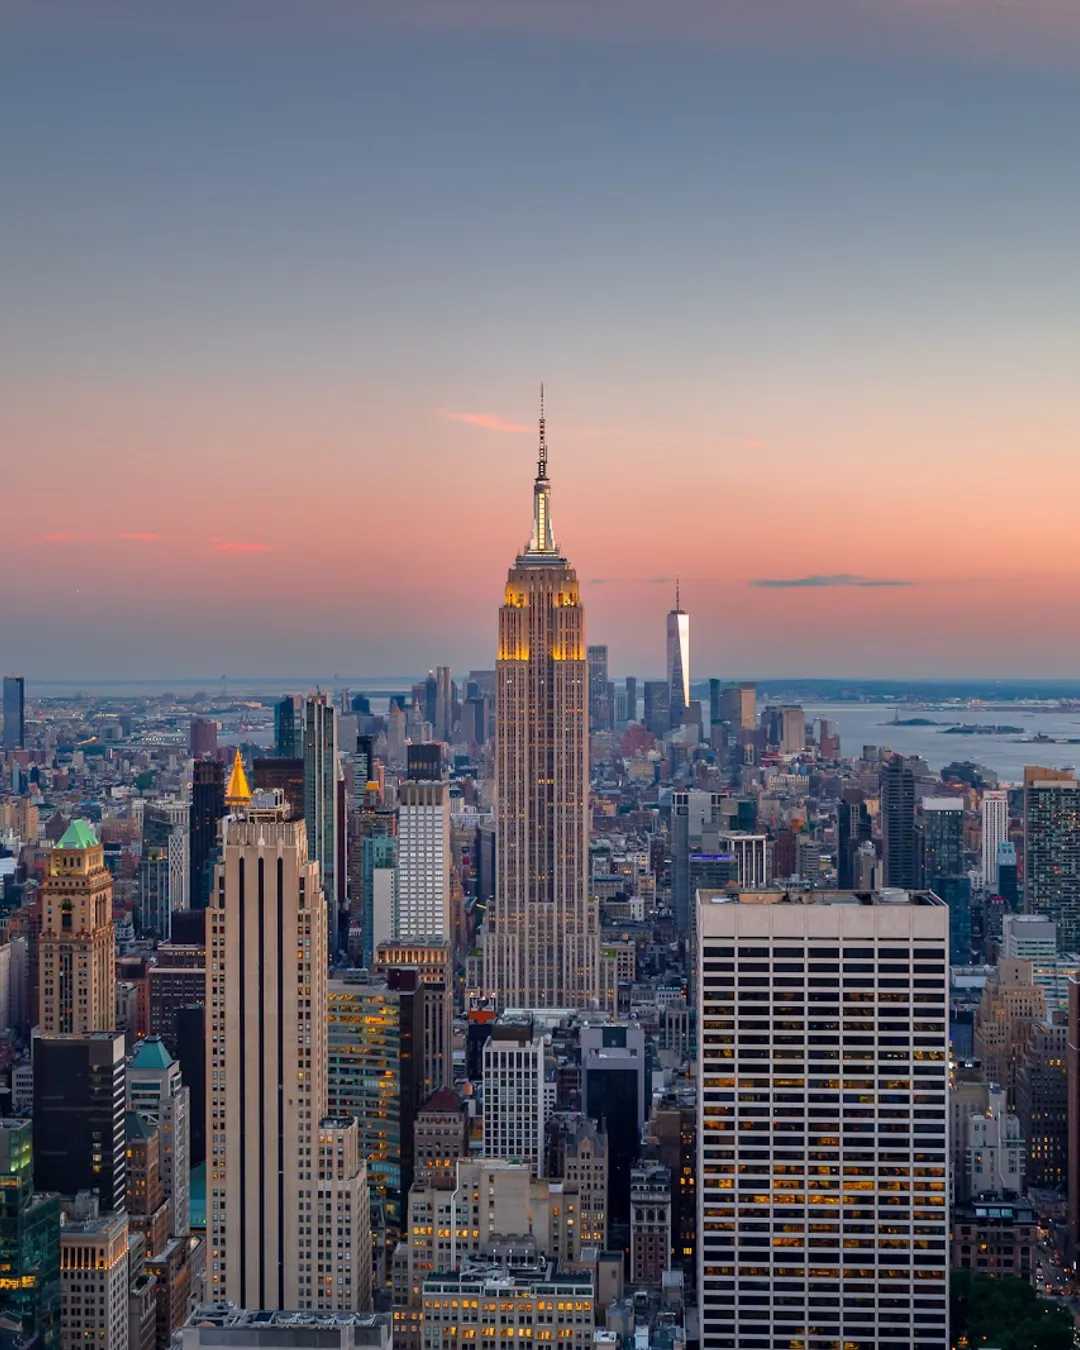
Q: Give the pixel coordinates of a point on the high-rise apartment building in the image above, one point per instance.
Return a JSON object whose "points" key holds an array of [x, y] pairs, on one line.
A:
{"points": [[320, 796], [155, 1089], [207, 809], [995, 830], [29, 1240], [423, 861], [77, 946], [79, 1135], [287, 1201], [899, 851], [14, 712], [541, 944], [678, 662], [822, 1209], [1052, 850]]}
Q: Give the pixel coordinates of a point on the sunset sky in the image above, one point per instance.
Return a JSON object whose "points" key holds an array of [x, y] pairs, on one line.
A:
{"points": [[280, 282]]}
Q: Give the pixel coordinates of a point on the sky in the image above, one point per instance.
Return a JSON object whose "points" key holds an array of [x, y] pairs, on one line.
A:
{"points": [[279, 281]]}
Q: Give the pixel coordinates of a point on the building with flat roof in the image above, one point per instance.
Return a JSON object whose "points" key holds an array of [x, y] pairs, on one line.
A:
{"points": [[823, 1110]]}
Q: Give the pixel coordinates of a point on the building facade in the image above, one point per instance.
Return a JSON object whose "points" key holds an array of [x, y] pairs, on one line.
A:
{"points": [[1052, 850], [422, 908], [541, 938], [77, 946], [822, 1211]]}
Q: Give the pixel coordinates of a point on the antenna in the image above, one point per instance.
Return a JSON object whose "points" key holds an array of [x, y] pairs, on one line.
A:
{"points": [[541, 467], [678, 606]]}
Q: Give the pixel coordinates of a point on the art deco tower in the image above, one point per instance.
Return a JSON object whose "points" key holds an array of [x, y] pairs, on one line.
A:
{"points": [[541, 948]]}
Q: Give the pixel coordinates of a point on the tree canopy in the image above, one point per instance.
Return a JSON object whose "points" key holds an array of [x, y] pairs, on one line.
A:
{"points": [[1006, 1313]]}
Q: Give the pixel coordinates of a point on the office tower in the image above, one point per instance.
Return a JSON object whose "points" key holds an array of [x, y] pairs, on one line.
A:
{"points": [[29, 1240], [650, 1225], [1072, 1118], [1052, 850], [281, 775], [941, 838], [430, 698], [672, 1140], [828, 740], [524, 1292], [541, 936], [423, 762], [207, 809], [956, 892], [657, 708], [898, 843], [839, 1118], [678, 661], [283, 1177], [600, 710], [191, 1055], [79, 1136], [613, 1078], [149, 1212], [444, 704], [423, 861], [94, 1281], [1008, 882], [395, 737], [631, 698], [202, 737], [289, 727], [519, 1092], [995, 1163], [853, 830], [1042, 1101], [320, 797], [376, 1028], [735, 704], [77, 946], [14, 712], [1011, 1004], [1028, 937], [785, 728], [995, 830], [155, 1090], [432, 959]]}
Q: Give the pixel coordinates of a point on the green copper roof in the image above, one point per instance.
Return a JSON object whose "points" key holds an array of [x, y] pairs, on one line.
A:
{"points": [[151, 1054], [78, 835]]}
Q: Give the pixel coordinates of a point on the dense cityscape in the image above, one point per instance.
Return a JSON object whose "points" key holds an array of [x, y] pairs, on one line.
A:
{"points": [[531, 1003]]}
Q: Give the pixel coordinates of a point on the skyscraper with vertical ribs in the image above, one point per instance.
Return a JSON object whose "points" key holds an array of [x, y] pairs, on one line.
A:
{"points": [[541, 946]]}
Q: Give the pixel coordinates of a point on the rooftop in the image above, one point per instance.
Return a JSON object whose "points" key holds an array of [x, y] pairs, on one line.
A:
{"points": [[78, 835], [151, 1053], [889, 897]]}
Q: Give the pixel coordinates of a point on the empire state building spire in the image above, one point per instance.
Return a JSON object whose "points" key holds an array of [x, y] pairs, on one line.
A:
{"points": [[543, 538]]}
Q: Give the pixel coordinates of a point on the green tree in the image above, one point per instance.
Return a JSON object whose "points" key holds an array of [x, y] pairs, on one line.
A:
{"points": [[1006, 1313]]}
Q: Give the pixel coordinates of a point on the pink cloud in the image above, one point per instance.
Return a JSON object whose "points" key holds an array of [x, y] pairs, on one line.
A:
{"points": [[140, 536], [751, 443], [238, 546], [484, 420], [59, 538]]}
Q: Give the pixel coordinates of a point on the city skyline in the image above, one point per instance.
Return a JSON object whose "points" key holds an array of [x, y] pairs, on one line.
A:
{"points": [[833, 350]]}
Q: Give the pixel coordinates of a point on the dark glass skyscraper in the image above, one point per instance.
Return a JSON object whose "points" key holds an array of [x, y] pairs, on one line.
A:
{"points": [[941, 838], [207, 809], [898, 842], [29, 1240], [14, 712], [288, 727], [853, 829]]}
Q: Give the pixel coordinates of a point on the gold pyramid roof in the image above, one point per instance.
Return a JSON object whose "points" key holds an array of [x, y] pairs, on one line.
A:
{"points": [[238, 793]]}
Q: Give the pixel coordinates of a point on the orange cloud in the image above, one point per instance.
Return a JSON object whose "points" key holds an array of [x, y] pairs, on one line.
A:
{"points": [[59, 538], [238, 546], [484, 420]]}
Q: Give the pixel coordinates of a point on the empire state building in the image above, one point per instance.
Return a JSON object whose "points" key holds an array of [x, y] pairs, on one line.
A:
{"points": [[541, 949]]}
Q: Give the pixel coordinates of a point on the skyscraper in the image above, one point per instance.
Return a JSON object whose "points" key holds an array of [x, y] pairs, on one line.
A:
{"points": [[156, 1089], [1052, 850], [600, 707], [444, 704], [77, 946], [898, 843], [207, 808], [823, 1199], [289, 727], [678, 661], [29, 1240], [995, 830], [14, 712], [320, 794], [541, 939], [423, 861], [283, 1177], [941, 839]]}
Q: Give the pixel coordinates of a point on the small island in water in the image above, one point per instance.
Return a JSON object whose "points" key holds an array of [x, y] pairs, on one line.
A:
{"points": [[913, 722], [982, 731]]}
